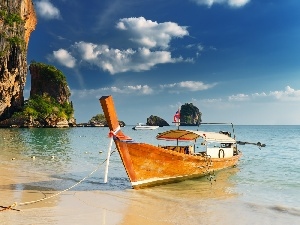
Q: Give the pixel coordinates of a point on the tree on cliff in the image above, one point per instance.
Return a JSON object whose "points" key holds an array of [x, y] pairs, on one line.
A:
{"points": [[98, 119], [42, 106]]}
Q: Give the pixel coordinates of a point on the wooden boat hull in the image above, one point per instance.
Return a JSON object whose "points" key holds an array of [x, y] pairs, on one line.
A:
{"points": [[148, 165]]}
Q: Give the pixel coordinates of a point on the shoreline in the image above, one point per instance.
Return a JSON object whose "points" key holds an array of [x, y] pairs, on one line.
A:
{"points": [[70, 207]]}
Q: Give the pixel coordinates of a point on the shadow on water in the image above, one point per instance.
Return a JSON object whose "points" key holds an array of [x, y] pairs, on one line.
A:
{"points": [[222, 186]]}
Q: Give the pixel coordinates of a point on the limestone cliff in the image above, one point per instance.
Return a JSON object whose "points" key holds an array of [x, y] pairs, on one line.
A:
{"points": [[17, 21], [190, 115], [46, 79], [48, 104], [48, 82]]}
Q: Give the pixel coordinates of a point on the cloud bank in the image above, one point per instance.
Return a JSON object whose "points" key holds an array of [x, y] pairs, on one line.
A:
{"points": [[153, 40], [289, 94], [151, 34], [188, 85], [184, 86]]}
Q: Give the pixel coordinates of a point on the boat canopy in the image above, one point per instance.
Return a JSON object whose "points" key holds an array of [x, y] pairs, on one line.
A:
{"points": [[190, 135]]}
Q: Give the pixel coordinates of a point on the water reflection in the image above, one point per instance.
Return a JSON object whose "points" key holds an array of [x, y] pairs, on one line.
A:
{"points": [[47, 142], [222, 187]]}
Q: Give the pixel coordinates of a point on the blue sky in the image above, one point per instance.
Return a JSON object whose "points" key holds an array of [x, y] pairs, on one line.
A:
{"points": [[236, 60]]}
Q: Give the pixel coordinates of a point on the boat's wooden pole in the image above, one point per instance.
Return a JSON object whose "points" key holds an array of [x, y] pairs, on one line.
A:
{"points": [[107, 159], [114, 126]]}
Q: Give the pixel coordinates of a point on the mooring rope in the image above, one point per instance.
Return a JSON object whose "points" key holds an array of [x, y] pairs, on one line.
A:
{"points": [[11, 207]]}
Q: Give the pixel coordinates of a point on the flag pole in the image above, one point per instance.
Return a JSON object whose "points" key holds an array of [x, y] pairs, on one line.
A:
{"points": [[178, 124]]}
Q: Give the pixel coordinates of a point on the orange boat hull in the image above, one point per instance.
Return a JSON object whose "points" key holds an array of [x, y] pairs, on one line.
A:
{"points": [[147, 165], [150, 165]]}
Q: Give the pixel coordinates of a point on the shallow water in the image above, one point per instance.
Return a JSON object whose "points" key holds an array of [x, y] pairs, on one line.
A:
{"points": [[263, 189]]}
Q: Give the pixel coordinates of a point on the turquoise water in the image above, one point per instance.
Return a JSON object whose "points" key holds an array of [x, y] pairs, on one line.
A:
{"points": [[263, 189]]}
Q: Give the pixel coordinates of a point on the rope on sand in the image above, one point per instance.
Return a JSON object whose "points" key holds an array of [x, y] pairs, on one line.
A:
{"points": [[12, 207]]}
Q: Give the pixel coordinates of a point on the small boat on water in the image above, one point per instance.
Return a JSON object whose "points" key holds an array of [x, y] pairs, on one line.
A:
{"points": [[148, 165], [141, 126]]}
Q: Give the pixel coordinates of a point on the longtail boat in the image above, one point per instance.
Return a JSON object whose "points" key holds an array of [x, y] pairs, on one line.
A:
{"points": [[148, 165]]}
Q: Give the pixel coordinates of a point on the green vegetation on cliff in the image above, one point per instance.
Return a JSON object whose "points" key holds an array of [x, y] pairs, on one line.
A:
{"points": [[10, 18], [40, 107], [9, 33], [99, 118], [50, 72], [49, 97]]}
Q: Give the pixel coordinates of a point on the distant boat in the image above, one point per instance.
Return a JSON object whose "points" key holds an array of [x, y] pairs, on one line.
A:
{"points": [[148, 165], [141, 126]]}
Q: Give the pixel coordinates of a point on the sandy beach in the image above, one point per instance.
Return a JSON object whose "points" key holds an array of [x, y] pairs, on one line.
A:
{"points": [[70, 207], [151, 206], [197, 203]]}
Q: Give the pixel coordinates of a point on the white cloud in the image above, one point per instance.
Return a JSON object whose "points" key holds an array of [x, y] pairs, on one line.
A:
{"points": [[147, 34], [117, 61], [138, 89], [200, 47], [231, 3], [143, 89], [46, 10], [188, 85], [96, 93], [238, 97], [255, 95], [237, 3], [64, 58], [151, 34], [289, 94], [211, 100], [195, 86]]}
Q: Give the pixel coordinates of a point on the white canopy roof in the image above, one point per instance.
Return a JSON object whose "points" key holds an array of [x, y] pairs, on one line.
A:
{"points": [[214, 136], [189, 135]]}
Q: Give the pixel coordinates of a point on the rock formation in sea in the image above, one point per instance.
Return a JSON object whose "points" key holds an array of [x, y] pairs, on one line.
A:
{"points": [[156, 121], [48, 104], [100, 121], [49, 82], [190, 115], [17, 21]]}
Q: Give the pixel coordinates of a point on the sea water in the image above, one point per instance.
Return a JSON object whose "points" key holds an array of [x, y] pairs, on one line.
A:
{"points": [[263, 189]]}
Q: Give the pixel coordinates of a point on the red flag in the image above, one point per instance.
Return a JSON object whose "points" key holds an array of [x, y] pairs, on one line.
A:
{"points": [[177, 116]]}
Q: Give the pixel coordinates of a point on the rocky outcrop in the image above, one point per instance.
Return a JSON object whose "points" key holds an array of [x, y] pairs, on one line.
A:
{"points": [[156, 121], [48, 104], [46, 79], [190, 115], [17, 21]]}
